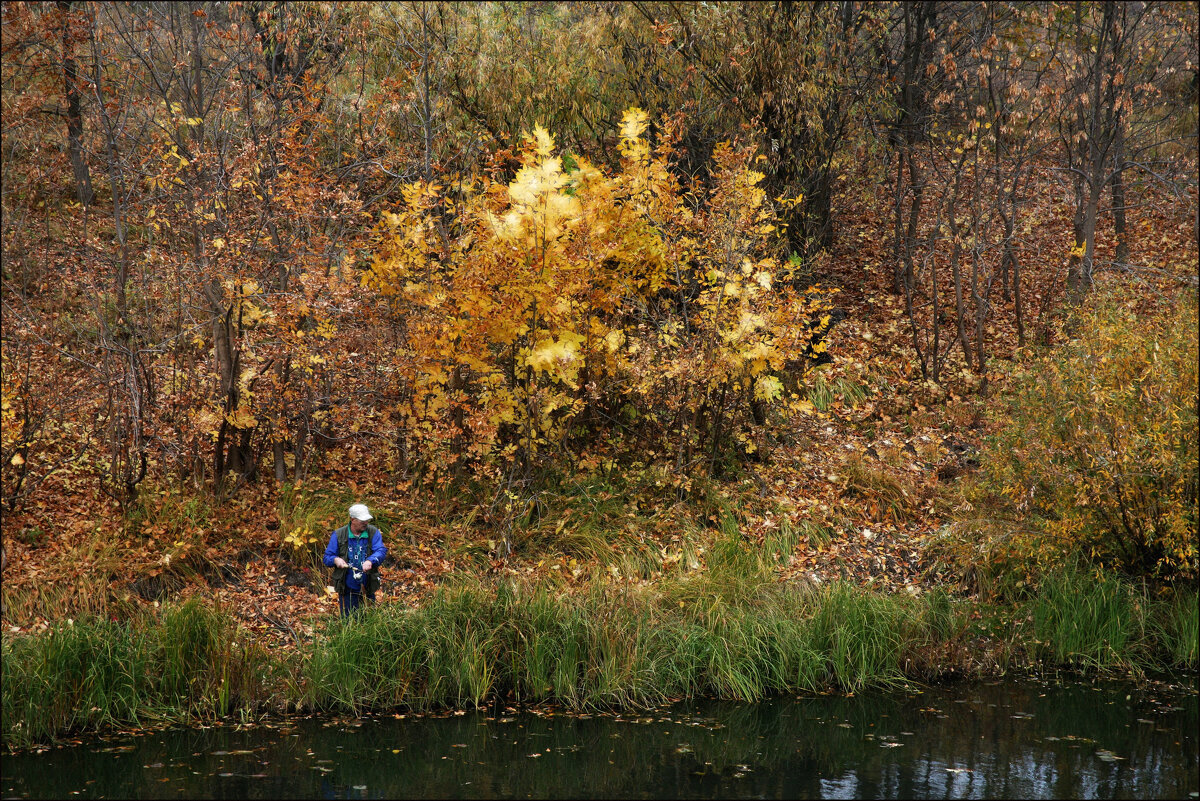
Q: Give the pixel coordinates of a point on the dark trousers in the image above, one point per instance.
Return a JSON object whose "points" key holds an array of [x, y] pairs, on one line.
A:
{"points": [[349, 601]]}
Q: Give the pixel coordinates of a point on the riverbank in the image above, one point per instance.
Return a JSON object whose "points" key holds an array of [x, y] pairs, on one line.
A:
{"points": [[732, 632], [900, 531]]}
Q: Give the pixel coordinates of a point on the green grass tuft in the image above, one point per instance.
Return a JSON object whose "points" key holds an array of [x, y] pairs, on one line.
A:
{"points": [[190, 662], [1175, 622], [1088, 619]]}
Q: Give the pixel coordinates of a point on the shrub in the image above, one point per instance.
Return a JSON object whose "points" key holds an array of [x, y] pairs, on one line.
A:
{"points": [[1098, 457], [574, 301]]}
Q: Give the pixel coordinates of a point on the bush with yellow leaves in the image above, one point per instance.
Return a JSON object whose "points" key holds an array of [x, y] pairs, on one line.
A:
{"points": [[1098, 459], [571, 302]]}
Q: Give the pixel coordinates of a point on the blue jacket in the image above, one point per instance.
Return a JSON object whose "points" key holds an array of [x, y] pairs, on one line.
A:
{"points": [[336, 548]]}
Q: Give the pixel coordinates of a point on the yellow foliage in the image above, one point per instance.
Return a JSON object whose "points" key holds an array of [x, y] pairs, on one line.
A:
{"points": [[1100, 456], [565, 291]]}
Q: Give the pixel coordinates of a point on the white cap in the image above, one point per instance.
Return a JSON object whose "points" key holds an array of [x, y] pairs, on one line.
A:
{"points": [[359, 511]]}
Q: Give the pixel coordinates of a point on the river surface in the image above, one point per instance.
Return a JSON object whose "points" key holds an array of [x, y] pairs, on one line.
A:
{"points": [[1009, 739]]}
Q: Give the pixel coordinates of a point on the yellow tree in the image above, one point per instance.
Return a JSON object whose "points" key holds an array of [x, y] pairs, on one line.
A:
{"points": [[568, 297]]}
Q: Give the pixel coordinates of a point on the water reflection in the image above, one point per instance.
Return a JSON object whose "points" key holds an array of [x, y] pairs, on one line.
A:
{"points": [[1003, 740]]}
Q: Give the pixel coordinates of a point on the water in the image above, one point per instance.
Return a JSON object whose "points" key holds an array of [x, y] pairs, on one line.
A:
{"points": [[1011, 739]]}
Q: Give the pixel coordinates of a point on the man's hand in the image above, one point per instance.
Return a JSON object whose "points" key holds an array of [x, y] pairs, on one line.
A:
{"points": [[340, 562], [366, 565]]}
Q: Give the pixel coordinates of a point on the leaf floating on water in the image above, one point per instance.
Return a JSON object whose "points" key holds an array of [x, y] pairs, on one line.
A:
{"points": [[322, 768], [225, 775], [533, 756], [1106, 755], [845, 725], [890, 745]]}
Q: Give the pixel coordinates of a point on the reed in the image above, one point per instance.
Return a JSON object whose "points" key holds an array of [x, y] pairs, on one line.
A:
{"points": [[730, 631], [1089, 619], [187, 663], [1175, 622], [723, 634]]}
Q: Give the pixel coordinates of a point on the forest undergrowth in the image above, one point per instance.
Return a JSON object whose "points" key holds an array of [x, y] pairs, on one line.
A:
{"points": [[854, 491], [832, 563]]}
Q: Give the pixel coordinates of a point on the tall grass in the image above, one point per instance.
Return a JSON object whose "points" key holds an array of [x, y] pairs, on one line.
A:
{"points": [[170, 512], [189, 662], [603, 519], [704, 635], [1175, 621], [730, 632], [1093, 620], [823, 393], [884, 495], [1099, 621], [308, 513]]}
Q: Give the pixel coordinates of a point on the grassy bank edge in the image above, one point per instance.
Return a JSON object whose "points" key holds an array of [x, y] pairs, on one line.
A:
{"points": [[726, 634]]}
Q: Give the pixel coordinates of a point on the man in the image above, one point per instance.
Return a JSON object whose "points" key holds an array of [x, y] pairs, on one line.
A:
{"points": [[355, 553]]}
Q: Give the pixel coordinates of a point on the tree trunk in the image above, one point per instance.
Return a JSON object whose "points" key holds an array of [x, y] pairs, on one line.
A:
{"points": [[1080, 276], [960, 306], [83, 178], [1075, 277], [1118, 196], [427, 106], [898, 239], [277, 454], [1018, 305]]}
